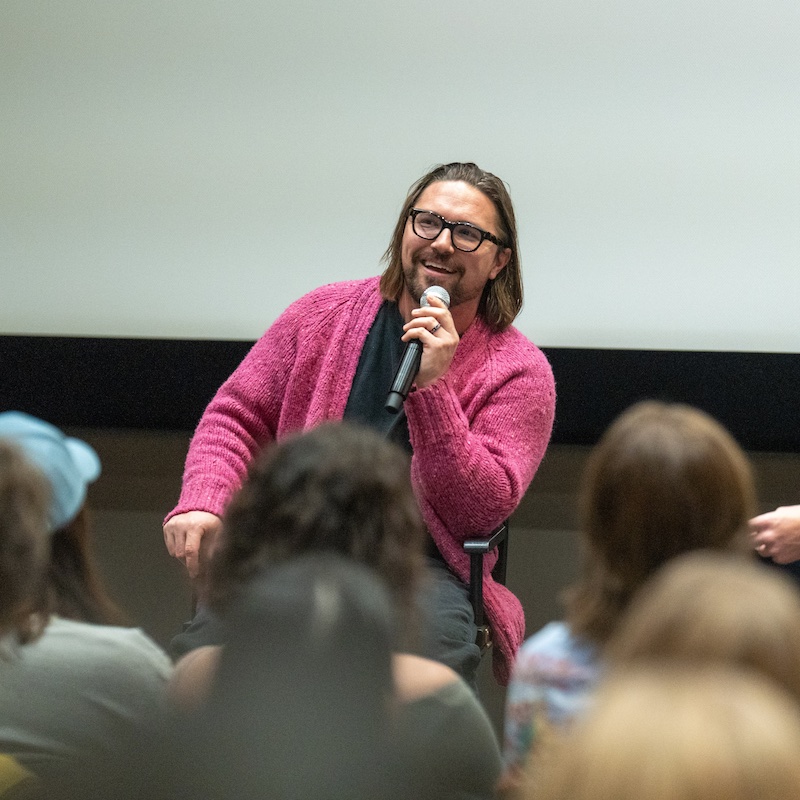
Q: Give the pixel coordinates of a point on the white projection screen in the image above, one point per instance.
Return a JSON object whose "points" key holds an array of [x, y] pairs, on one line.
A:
{"points": [[184, 170]]}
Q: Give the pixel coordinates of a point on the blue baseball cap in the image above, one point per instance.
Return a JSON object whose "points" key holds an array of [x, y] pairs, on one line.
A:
{"points": [[69, 465]]}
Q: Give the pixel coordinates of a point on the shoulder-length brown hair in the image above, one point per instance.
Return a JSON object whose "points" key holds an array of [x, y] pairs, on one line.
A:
{"points": [[24, 506], [75, 588], [502, 297], [664, 479]]}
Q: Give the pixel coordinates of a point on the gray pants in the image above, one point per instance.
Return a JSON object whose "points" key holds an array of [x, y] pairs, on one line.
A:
{"points": [[448, 623]]}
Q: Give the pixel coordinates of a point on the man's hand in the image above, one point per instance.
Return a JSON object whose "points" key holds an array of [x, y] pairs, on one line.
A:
{"points": [[433, 326], [190, 537], [777, 534]]}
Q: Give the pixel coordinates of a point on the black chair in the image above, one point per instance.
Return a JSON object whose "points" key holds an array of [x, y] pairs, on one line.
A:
{"points": [[477, 549]]}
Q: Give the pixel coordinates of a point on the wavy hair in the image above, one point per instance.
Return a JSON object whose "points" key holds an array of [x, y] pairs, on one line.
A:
{"points": [[339, 488]]}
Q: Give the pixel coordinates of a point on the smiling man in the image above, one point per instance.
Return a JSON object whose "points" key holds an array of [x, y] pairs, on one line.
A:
{"points": [[476, 426]]}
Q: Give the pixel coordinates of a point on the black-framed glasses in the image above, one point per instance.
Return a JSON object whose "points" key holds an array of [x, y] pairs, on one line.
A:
{"points": [[466, 236]]}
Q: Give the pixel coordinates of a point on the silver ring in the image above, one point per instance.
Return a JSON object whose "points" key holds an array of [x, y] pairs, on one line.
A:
{"points": [[435, 328]]}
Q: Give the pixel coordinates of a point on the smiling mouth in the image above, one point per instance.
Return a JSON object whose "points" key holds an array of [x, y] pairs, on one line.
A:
{"points": [[439, 269]]}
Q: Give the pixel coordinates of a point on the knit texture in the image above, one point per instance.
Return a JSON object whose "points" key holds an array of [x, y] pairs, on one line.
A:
{"points": [[478, 434]]}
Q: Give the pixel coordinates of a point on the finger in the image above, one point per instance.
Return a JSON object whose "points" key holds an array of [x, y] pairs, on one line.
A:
{"points": [[191, 552], [436, 301], [426, 320], [169, 539], [424, 335]]}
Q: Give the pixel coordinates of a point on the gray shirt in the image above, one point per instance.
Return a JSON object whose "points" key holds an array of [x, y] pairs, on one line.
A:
{"points": [[77, 692]]}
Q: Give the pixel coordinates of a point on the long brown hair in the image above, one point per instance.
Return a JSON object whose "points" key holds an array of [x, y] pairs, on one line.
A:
{"points": [[502, 297], [664, 479], [75, 589], [24, 506]]}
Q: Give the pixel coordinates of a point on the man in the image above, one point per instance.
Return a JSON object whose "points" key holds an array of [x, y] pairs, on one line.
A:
{"points": [[477, 423]]}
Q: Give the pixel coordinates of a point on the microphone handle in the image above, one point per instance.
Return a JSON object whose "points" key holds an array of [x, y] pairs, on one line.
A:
{"points": [[404, 377]]}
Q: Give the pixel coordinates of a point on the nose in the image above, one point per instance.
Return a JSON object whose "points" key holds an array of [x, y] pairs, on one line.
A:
{"points": [[443, 243]]}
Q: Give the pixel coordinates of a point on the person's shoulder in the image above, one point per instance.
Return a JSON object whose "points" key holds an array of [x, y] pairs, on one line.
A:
{"points": [[416, 677], [553, 640], [324, 305], [126, 648], [509, 349], [193, 675], [340, 291]]}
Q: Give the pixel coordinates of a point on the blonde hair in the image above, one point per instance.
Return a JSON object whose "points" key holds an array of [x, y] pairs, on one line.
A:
{"points": [[677, 734], [706, 608], [663, 480]]}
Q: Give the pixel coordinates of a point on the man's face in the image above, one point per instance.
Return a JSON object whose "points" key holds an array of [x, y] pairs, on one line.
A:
{"points": [[435, 262]]}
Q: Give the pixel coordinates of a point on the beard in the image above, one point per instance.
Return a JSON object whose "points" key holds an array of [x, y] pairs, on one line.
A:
{"points": [[416, 282]]}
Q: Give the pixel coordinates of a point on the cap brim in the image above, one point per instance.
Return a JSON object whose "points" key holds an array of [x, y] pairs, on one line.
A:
{"points": [[85, 458]]}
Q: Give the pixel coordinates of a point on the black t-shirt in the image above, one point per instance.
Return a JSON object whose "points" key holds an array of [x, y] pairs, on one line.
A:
{"points": [[377, 365]]}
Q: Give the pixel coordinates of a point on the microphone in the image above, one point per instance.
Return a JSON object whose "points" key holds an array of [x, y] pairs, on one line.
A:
{"points": [[409, 364]]}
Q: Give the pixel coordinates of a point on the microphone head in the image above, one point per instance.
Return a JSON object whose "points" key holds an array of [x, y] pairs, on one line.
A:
{"points": [[438, 291]]}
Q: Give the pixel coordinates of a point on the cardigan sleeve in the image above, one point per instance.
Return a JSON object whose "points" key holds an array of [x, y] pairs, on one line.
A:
{"points": [[478, 442], [296, 376], [239, 421]]}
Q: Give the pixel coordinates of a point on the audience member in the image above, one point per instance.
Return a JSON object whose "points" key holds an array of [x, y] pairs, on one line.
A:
{"points": [[24, 500], [707, 608], [776, 534], [663, 480], [676, 734], [301, 700], [344, 489], [83, 686]]}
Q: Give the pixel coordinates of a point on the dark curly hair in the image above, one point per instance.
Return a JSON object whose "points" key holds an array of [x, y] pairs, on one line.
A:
{"points": [[340, 488]]}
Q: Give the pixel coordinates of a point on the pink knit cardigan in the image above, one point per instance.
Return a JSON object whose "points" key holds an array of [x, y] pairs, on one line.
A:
{"points": [[478, 434]]}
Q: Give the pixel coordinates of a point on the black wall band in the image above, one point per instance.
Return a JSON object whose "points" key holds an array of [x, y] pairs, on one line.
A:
{"points": [[164, 384]]}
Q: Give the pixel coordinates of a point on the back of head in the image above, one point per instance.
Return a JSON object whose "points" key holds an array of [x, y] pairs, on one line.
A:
{"points": [[300, 704], [69, 465], [338, 488], [714, 608], [319, 616], [663, 480], [24, 504], [502, 299], [677, 734]]}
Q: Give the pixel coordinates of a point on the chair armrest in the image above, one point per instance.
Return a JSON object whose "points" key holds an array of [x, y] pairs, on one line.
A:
{"points": [[477, 549]]}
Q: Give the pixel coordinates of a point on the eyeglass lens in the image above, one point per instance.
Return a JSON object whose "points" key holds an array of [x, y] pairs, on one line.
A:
{"points": [[429, 226]]}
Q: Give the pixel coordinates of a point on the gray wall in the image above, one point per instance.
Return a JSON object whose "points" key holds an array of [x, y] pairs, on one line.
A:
{"points": [[141, 481], [235, 155]]}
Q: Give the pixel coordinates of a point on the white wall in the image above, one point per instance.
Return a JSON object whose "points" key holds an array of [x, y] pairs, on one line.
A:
{"points": [[186, 169]]}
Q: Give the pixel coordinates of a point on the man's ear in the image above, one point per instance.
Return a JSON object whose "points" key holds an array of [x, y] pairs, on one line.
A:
{"points": [[502, 258]]}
